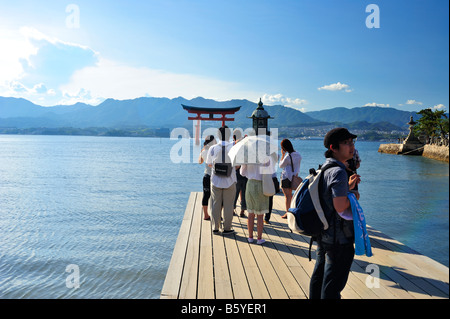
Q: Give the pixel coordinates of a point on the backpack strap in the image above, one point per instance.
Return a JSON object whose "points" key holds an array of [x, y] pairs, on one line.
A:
{"points": [[334, 213], [223, 153], [322, 215], [292, 163]]}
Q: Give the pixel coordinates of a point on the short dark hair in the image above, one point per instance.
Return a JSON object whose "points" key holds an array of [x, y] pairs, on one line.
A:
{"points": [[287, 145]]}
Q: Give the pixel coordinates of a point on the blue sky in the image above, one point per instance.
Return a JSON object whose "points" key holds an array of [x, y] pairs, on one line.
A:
{"points": [[305, 54]]}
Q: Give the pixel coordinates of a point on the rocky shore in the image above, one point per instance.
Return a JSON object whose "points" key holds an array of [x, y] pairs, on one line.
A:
{"points": [[436, 152], [440, 153]]}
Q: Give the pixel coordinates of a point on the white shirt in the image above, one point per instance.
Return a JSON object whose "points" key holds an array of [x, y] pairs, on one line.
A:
{"points": [[285, 164], [204, 154], [251, 171], [220, 181], [255, 171]]}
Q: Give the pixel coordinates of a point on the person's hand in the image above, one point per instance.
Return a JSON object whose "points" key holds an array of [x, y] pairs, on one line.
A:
{"points": [[354, 180], [356, 193]]}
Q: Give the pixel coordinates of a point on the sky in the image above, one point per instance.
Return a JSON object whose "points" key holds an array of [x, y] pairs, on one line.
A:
{"points": [[305, 54]]}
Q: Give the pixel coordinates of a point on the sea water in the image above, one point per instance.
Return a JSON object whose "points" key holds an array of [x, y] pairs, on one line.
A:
{"points": [[108, 210]]}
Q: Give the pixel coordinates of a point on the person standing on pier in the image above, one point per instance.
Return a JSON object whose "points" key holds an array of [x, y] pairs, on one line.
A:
{"points": [[241, 181], [290, 163], [223, 182], [257, 202], [335, 251], [209, 141]]}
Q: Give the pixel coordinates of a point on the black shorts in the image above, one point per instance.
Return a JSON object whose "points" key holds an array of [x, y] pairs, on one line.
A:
{"points": [[286, 183]]}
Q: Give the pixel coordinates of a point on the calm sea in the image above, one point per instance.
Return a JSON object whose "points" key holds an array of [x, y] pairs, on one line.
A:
{"points": [[111, 207]]}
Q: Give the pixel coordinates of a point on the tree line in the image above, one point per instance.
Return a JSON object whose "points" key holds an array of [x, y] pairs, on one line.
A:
{"points": [[432, 124]]}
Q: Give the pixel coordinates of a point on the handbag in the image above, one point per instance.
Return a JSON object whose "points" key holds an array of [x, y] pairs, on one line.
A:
{"points": [[268, 185], [296, 180], [223, 168]]}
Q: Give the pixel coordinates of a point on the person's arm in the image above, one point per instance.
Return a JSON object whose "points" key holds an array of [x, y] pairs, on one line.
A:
{"points": [[209, 159], [284, 162], [200, 157], [341, 202]]}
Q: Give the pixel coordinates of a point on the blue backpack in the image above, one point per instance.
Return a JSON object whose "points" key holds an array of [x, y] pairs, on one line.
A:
{"points": [[306, 215]]}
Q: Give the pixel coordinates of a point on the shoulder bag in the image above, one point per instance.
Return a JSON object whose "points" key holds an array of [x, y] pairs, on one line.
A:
{"points": [[296, 180]]}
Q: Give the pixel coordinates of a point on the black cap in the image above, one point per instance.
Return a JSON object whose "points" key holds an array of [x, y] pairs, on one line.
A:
{"points": [[337, 135]]}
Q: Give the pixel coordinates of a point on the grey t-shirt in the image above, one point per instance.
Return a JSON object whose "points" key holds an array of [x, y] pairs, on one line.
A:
{"points": [[335, 184]]}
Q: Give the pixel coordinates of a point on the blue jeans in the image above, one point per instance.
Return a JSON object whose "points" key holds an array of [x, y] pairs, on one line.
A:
{"points": [[331, 271]]}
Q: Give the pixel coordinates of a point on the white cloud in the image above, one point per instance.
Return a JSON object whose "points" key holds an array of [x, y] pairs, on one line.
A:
{"points": [[412, 102], [50, 71], [281, 99], [34, 65], [336, 87], [15, 48], [377, 104], [439, 107], [110, 79]]}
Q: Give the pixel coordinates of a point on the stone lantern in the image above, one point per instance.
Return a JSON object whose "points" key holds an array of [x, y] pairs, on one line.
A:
{"points": [[412, 145], [260, 119]]}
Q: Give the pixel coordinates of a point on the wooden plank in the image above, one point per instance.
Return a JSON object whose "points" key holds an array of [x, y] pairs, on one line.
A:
{"points": [[238, 277], [225, 267], [172, 282], [257, 286], [222, 281], [386, 289], [188, 289], [206, 273], [281, 258], [268, 273], [430, 271]]}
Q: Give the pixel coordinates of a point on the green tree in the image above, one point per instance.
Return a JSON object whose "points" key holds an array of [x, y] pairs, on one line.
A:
{"points": [[432, 123]]}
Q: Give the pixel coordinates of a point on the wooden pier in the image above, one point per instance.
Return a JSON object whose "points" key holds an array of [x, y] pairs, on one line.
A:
{"points": [[209, 266]]}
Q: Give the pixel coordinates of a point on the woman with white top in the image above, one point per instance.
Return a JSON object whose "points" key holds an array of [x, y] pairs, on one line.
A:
{"points": [[209, 141], [290, 163]]}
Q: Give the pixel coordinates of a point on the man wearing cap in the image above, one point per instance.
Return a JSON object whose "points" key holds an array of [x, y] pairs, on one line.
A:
{"points": [[335, 249]]}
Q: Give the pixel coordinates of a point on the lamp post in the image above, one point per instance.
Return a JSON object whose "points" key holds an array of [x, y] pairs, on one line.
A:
{"points": [[260, 119]]}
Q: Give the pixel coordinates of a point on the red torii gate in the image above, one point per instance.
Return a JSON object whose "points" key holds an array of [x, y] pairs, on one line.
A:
{"points": [[209, 112]]}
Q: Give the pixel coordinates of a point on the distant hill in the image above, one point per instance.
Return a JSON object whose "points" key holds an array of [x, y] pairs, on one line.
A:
{"points": [[145, 111], [163, 112], [364, 114]]}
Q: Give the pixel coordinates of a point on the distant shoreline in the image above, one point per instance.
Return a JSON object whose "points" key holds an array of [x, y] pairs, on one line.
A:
{"points": [[92, 131], [165, 132]]}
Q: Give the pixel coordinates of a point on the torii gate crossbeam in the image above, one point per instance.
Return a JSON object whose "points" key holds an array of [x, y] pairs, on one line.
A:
{"points": [[207, 114]]}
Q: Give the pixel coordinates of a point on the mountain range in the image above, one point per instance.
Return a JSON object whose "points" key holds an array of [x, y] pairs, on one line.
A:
{"points": [[168, 113]]}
